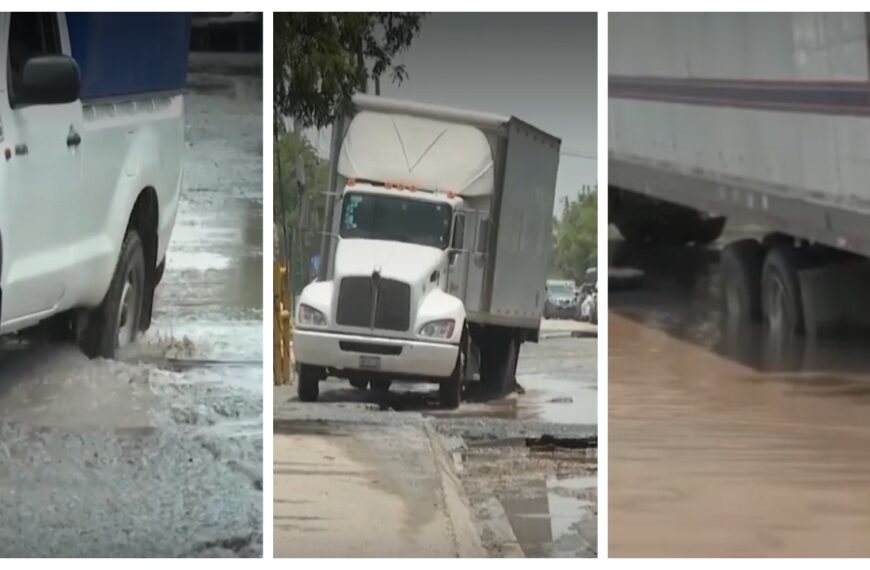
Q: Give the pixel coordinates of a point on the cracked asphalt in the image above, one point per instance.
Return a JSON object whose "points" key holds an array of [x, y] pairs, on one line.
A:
{"points": [[160, 452]]}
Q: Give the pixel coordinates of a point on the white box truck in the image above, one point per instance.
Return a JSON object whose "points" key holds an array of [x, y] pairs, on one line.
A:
{"points": [[92, 137], [760, 117], [441, 233]]}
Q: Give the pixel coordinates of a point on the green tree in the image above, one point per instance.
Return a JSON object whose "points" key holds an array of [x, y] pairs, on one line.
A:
{"points": [[576, 236], [321, 59]]}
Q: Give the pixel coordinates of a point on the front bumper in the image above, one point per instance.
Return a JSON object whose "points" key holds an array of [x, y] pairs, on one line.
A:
{"points": [[416, 358]]}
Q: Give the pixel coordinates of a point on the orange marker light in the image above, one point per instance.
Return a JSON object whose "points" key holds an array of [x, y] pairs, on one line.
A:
{"points": [[351, 181]]}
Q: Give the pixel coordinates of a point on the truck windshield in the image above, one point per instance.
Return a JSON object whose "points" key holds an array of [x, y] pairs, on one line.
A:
{"points": [[392, 218]]}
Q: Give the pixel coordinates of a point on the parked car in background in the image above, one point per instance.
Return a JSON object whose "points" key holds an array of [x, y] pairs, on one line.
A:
{"points": [[582, 292], [588, 309], [561, 302]]}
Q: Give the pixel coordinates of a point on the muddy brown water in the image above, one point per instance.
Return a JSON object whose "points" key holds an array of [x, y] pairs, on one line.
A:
{"points": [[722, 443]]}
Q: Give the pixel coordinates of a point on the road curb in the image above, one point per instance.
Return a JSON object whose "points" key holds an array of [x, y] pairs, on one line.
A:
{"points": [[461, 513], [457, 504]]}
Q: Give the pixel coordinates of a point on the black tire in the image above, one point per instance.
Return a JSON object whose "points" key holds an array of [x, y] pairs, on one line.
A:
{"points": [[308, 382], [381, 386], [359, 383], [741, 263], [450, 389], [121, 309], [781, 302], [498, 362]]}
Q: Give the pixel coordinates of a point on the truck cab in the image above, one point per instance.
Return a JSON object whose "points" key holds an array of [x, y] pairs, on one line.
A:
{"points": [[385, 311], [90, 172]]}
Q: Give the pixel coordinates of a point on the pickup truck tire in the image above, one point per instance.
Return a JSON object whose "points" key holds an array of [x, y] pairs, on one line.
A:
{"points": [[741, 264], [781, 302], [115, 322], [359, 383], [381, 386], [308, 382]]}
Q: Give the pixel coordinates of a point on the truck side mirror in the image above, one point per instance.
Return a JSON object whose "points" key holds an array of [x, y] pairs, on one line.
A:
{"points": [[48, 80]]}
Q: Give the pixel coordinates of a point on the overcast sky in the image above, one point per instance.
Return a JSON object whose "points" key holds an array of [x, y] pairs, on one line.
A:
{"points": [[539, 67]]}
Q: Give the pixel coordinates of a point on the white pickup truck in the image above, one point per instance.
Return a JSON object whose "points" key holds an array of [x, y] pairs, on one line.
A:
{"points": [[91, 144], [441, 238]]}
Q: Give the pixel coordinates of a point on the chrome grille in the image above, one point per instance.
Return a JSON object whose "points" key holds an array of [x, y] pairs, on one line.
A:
{"points": [[355, 298]]}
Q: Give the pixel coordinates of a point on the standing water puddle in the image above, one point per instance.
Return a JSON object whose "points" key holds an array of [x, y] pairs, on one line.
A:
{"points": [[550, 498]]}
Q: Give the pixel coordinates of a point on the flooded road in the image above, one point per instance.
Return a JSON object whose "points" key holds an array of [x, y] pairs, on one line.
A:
{"points": [[526, 463], [723, 443], [158, 453]]}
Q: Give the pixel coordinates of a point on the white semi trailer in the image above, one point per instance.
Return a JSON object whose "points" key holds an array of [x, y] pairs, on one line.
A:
{"points": [[439, 241], [761, 117]]}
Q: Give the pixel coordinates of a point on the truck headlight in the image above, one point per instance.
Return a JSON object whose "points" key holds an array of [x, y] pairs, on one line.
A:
{"points": [[310, 316], [438, 329]]}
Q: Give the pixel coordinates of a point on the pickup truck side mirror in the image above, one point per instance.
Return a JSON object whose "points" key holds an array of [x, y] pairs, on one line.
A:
{"points": [[48, 80]]}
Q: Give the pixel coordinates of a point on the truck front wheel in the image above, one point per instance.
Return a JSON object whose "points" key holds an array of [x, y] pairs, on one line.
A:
{"points": [[308, 382], [450, 389], [115, 322]]}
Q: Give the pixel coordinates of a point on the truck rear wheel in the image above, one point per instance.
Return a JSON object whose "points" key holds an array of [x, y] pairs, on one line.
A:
{"points": [[308, 378], [115, 322], [381, 386], [359, 383], [741, 264], [498, 363], [781, 301]]}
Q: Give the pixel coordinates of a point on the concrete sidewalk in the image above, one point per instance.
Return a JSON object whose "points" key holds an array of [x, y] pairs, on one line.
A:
{"points": [[349, 487]]}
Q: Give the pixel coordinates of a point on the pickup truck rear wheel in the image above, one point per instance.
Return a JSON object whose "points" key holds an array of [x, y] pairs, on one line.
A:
{"points": [[308, 382], [115, 322], [359, 383]]}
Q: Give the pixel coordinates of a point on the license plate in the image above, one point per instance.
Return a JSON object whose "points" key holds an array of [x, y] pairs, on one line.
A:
{"points": [[370, 362]]}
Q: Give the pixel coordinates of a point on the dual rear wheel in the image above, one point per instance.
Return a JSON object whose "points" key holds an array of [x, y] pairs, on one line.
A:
{"points": [[762, 284]]}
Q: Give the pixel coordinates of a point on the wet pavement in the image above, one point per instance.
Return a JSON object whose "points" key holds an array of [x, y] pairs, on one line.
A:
{"points": [[721, 441], [528, 499], [160, 452]]}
